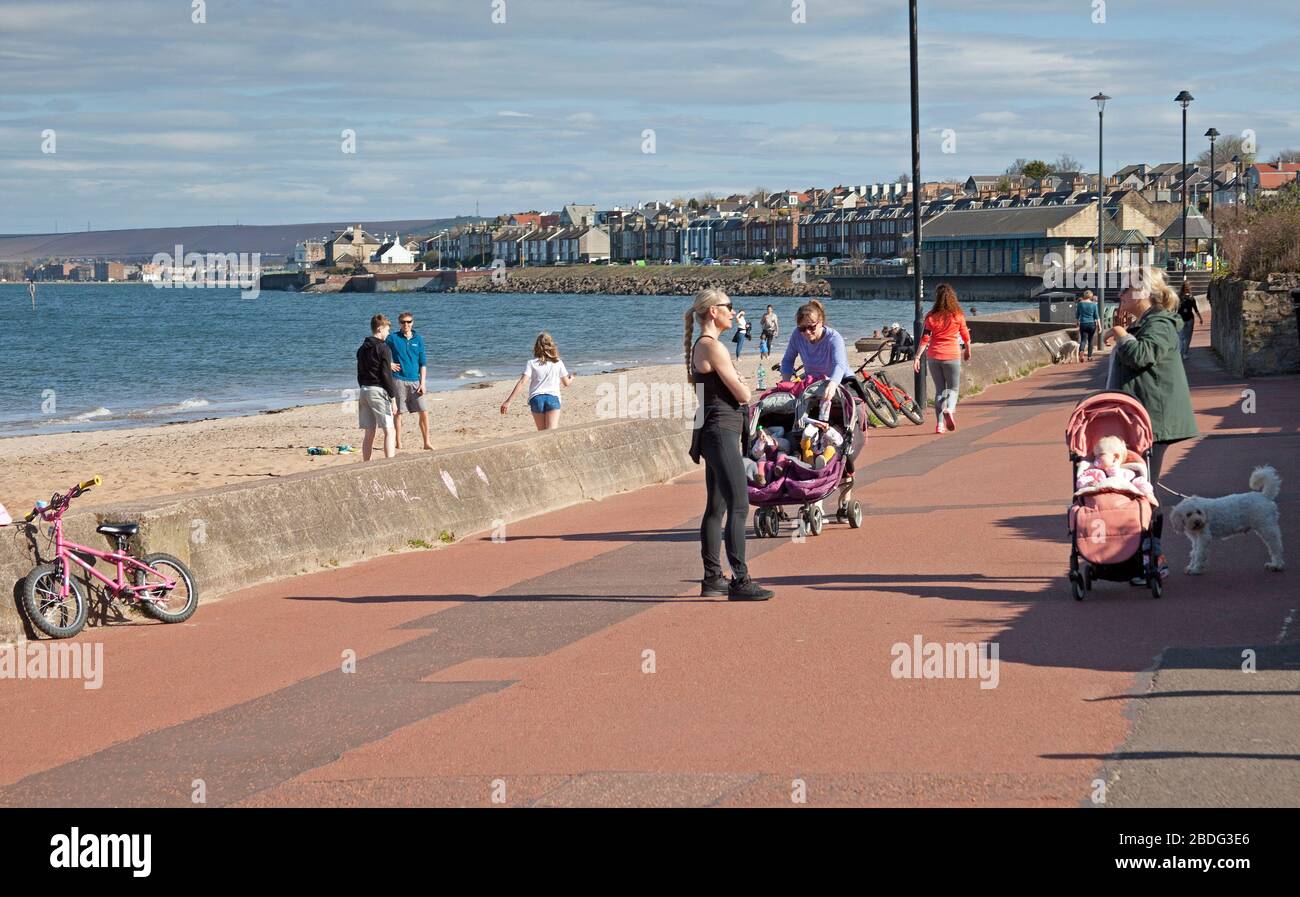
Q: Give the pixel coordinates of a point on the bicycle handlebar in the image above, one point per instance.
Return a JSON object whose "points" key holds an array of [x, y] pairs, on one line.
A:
{"points": [[59, 503]]}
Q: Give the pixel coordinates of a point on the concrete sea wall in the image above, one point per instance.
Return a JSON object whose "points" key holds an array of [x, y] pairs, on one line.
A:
{"points": [[239, 536]]}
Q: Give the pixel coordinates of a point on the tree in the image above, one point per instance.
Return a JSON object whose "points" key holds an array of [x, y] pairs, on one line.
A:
{"points": [[1065, 163], [1016, 168], [1224, 149], [1004, 184], [1287, 155], [1036, 170]]}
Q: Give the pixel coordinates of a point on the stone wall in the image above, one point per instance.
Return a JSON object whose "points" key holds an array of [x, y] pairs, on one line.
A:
{"points": [[1253, 325]]}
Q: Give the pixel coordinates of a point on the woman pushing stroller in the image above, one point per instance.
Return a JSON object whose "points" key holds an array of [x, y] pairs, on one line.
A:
{"points": [[820, 349]]}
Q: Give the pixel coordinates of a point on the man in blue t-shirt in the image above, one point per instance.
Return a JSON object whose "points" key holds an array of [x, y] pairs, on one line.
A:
{"points": [[409, 366]]}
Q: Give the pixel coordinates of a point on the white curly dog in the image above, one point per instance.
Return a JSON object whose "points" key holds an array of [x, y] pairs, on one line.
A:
{"points": [[1205, 519]]}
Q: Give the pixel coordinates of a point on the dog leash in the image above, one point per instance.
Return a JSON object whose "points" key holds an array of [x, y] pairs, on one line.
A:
{"points": [[1172, 491]]}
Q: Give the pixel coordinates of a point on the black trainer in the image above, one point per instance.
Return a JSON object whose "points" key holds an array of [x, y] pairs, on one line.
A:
{"points": [[748, 590], [714, 586]]}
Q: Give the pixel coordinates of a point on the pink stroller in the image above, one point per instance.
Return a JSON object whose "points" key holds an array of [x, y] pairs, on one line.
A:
{"points": [[798, 483], [1111, 531]]}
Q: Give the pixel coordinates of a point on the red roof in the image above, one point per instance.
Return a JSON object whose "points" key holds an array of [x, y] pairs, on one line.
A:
{"points": [[1272, 180]]}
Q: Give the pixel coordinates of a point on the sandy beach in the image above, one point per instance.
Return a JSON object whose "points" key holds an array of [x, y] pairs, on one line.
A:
{"points": [[183, 457]]}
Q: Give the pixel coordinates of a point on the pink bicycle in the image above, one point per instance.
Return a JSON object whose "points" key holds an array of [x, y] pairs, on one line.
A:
{"points": [[159, 584]]}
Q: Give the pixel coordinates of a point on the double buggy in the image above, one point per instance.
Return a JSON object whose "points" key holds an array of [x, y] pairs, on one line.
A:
{"points": [[797, 459]]}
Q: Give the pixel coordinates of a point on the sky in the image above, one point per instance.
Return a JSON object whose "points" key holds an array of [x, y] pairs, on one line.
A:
{"points": [[156, 119]]}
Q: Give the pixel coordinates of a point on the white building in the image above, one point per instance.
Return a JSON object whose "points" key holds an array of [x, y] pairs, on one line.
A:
{"points": [[393, 252]]}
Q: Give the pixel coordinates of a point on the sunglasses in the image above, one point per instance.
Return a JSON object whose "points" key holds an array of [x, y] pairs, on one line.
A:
{"points": [[810, 328], [726, 305], [407, 321]]}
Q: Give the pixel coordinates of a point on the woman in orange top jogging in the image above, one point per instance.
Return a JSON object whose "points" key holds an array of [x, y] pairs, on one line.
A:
{"points": [[945, 343]]}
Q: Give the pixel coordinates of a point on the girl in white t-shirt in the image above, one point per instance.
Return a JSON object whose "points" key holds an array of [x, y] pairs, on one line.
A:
{"points": [[545, 374]]}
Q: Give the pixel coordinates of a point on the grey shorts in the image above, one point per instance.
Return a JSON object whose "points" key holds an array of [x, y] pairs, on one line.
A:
{"points": [[408, 396], [374, 408]]}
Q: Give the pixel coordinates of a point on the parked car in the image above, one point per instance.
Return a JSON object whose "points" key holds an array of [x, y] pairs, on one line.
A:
{"points": [[821, 260]]}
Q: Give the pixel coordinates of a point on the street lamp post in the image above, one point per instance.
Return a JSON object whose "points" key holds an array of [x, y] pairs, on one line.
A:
{"points": [[1184, 99], [1100, 99], [918, 283], [1236, 183], [1214, 255]]}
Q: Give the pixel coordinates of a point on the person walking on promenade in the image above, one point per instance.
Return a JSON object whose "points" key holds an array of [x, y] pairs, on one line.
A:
{"points": [[816, 345], [409, 367], [1190, 312], [545, 374], [716, 439], [945, 325], [377, 391], [820, 349], [1087, 313], [742, 332], [1147, 364], [769, 326]]}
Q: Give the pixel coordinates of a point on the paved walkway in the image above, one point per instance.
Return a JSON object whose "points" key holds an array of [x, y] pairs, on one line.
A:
{"points": [[520, 672]]}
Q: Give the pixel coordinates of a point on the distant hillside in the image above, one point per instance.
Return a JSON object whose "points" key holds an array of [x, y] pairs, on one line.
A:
{"points": [[142, 244]]}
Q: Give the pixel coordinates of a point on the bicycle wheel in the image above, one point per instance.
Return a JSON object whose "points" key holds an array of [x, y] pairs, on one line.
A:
{"points": [[169, 605], [907, 405], [880, 407], [51, 613]]}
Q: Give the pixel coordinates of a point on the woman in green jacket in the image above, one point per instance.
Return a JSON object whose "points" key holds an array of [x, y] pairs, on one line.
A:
{"points": [[1147, 364]]}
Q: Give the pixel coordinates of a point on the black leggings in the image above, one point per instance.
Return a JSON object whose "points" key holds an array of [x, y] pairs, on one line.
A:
{"points": [[724, 478], [1086, 337]]}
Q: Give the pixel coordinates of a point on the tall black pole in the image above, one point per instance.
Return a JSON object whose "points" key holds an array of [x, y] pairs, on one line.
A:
{"points": [[918, 389], [1183, 261], [1101, 239], [1214, 255]]}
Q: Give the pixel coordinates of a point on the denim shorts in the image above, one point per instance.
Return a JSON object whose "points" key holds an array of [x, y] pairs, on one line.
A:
{"points": [[543, 402]]}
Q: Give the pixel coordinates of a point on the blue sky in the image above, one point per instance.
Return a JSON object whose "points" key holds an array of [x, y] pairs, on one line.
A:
{"points": [[161, 121]]}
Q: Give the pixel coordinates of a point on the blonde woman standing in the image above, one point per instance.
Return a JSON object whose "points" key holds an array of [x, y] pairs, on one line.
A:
{"points": [[716, 438], [1147, 364], [545, 374]]}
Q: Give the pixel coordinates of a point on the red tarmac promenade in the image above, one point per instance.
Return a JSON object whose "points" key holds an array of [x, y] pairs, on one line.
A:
{"points": [[517, 672]]}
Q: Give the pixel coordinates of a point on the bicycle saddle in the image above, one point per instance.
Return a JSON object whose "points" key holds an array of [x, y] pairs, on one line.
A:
{"points": [[118, 529]]}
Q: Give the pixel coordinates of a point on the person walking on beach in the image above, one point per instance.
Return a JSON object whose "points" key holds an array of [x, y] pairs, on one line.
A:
{"points": [[1147, 364], [377, 391], [742, 331], [769, 326], [545, 374], [716, 439], [1087, 313], [945, 326], [1190, 312], [409, 367]]}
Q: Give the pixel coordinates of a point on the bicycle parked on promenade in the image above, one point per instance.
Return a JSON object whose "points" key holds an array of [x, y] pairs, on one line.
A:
{"points": [[159, 584], [887, 399]]}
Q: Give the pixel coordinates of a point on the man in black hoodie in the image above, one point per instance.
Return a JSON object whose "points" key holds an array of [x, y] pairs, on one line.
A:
{"points": [[377, 389]]}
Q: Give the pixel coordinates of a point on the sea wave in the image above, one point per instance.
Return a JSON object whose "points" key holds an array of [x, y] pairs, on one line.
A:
{"points": [[470, 374], [91, 415], [190, 404]]}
